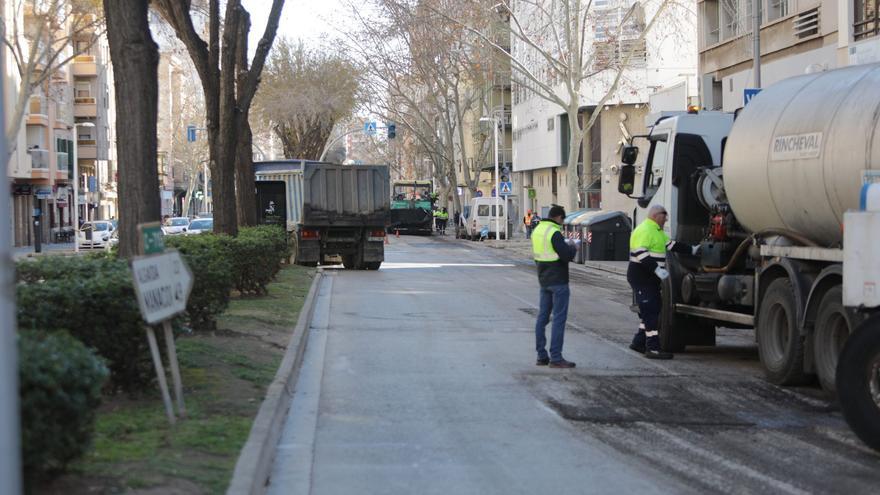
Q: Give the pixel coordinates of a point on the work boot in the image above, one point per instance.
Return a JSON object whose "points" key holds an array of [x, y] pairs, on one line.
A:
{"points": [[658, 354], [562, 363], [638, 348], [542, 361]]}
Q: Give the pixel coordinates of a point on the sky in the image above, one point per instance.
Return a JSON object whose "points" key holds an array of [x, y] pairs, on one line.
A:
{"points": [[313, 21]]}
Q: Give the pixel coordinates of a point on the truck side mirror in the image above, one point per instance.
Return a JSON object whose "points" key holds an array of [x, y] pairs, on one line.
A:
{"points": [[629, 155], [626, 182]]}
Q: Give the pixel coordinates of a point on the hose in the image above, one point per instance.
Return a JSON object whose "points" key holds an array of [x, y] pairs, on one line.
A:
{"points": [[745, 244]]}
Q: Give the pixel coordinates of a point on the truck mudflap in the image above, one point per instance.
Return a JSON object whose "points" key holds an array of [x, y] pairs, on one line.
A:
{"points": [[858, 381]]}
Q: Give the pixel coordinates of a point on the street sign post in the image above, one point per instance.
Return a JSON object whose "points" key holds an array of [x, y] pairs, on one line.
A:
{"points": [[506, 188], [162, 283]]}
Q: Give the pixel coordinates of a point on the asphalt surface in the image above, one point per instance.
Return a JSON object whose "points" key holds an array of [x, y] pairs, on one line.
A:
{"points": [[420, 378]]}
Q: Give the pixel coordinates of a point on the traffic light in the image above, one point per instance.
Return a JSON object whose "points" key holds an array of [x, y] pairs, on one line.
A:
{"points": [[505, 174], [392, 130]]}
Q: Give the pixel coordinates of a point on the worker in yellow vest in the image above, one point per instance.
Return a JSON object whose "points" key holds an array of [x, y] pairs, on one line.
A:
{"points": [[552, 253], [648, 245]]}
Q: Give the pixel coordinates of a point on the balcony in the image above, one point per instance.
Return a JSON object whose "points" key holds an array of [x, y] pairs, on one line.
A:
{"points": [[85, 107], [38, 111], [39, 159], [85, 66], [86, 149]]}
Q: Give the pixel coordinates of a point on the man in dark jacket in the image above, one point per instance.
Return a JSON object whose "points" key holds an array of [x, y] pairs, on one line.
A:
{"points": [[552, 254]]}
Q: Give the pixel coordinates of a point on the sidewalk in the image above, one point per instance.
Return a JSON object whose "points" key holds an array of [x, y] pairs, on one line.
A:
{"points": [[522, 248], [47, 249]]}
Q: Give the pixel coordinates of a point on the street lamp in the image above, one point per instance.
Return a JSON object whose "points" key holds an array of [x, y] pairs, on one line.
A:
{"points": [[494, 120], [76, 126]]}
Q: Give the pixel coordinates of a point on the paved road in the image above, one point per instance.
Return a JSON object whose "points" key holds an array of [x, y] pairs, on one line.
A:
{"points": [[420, 378]]}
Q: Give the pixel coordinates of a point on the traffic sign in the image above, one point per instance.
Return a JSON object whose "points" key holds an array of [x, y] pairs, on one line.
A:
{"points": [[190, 133], [162, 283], [370, 127], [506, 188], [749, 93], [151, 238]]}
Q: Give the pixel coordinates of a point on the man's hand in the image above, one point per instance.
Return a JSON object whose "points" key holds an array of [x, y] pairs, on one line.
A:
{"points": [[661, 273], [696, 249]]}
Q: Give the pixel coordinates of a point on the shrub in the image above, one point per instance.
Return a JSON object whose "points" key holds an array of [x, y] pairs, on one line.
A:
{"points": [[92, 298], [60, 384], [257, 254], [208, 257]]}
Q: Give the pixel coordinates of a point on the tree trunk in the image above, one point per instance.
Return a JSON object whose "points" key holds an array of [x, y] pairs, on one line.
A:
{"points": [[135, 64], [575, 138], [245, 188]]}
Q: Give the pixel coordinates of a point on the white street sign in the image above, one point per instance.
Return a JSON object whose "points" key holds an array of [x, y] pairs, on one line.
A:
{"points": [[162, 283]]}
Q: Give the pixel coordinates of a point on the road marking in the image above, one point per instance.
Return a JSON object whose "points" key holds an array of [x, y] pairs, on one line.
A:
{"points": [[391, 265]]}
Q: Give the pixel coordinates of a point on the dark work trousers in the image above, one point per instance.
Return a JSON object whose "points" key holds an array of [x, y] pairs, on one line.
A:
{"points": [[650, 302]]}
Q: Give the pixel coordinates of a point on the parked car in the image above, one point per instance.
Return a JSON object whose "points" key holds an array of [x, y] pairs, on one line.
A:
{"points": [[206, 214], [97, 234], [200, 225], [175, 226]]}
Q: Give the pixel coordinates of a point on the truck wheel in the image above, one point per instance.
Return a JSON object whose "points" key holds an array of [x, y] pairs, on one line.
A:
{"points": [[373, 265], [829, 336], [348, 262], [780, 344], [858, 381], [672, 336]]}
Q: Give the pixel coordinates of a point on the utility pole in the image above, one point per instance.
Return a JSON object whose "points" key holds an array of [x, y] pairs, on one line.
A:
{"points": [[756, 40], [10, 436]]}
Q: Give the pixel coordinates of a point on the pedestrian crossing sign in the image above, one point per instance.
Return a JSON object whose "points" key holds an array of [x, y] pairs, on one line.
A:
{"points": [[506, 188]]}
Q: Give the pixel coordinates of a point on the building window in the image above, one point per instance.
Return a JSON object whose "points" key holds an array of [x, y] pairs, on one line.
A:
{"points": [[865, 22], [711, 23], [776, 9]]}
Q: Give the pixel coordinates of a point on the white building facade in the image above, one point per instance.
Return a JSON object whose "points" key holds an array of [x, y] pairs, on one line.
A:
{"points": [[665, 56]]}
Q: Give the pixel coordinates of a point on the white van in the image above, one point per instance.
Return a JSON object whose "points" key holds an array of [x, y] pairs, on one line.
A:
{"points": [[482, 214]]}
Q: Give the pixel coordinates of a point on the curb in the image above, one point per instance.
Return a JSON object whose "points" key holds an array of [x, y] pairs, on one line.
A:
{"points": [[254, 463], [609, 269]]}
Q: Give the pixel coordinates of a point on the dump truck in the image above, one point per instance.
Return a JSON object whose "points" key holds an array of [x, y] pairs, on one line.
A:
{"points": [[412, 207], [333, 213], [772, 196]]}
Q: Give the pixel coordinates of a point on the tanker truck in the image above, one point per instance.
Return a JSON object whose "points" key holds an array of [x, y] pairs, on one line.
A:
{"points": [[771, 194]]}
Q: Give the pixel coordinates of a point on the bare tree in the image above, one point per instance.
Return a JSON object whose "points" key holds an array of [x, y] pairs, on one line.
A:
{"points": [[423, 77], [46, 35], [228, 94], [563, 48], [304, 94], [135, 64]]}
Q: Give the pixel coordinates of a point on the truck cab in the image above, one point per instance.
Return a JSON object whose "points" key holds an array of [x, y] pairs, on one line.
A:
{"points": [[677, 145]]}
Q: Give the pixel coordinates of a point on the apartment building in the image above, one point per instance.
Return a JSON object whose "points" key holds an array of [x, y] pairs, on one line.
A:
{"points": [[664, 57], [94, 121], [796, 37], [73, 97]]}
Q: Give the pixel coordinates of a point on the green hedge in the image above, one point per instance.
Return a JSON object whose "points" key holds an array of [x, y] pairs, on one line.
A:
{"points": [[92, 298], [60, 383], [257, 254], [208, 257]]}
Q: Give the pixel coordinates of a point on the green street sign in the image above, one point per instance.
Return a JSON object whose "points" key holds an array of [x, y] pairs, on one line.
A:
{"points": [[532, 193], [151, 238]]}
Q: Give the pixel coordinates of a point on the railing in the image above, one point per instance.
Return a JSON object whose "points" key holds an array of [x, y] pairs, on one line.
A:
{"points": [[84, 59], [39, 158], [866, 19], [89, 100]]}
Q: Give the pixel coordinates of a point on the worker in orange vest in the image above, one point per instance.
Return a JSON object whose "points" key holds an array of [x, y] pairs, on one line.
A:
{"points": [[527, 220]]}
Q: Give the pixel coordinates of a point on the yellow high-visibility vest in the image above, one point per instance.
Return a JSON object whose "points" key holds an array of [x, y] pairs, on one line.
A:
{"points": [[542, 245]]}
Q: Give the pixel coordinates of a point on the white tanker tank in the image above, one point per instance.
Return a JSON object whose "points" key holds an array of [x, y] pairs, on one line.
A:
{"points": [[797, 153]]}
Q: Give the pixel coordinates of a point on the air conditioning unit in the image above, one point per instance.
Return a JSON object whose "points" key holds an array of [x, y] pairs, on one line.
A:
{"points": [[806, 24]]}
